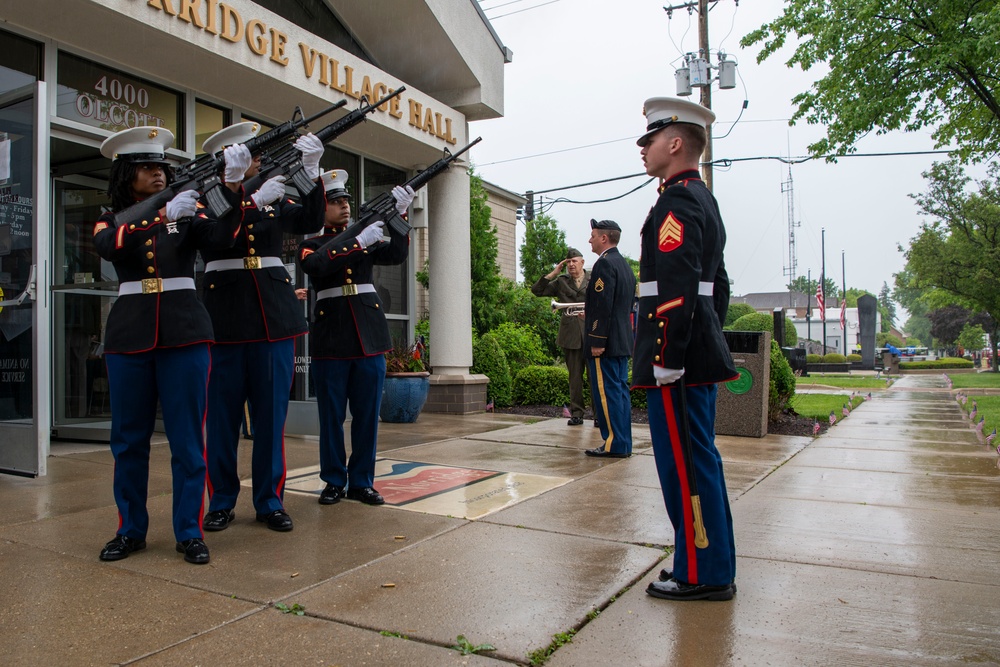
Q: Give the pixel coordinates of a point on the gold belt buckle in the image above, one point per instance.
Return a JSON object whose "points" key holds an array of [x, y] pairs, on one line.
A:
{"points": [[152, 285], [251, 262], [349, 290]]}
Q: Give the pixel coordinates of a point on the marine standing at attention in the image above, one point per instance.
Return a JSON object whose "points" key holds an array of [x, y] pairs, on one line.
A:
{"points": [[680, 352], [158, 332], [256, 316]]}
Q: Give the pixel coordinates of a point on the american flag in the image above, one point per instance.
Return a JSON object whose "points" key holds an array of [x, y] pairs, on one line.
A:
{"points": [[845, 410], [489, 406], [991, 437], [566, 412], [843, 313], [816, 429], [819, 300], [869, 396], [972, 415], [981, 424], [833, 418], [964, 399]]}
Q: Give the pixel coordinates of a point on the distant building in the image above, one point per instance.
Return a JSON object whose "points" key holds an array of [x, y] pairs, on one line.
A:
{"points": [[503, 205]]}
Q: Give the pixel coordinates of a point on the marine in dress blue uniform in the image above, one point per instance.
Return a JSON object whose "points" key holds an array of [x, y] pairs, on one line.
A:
{"points": [[680, 352], [256, 316], [608, 339], [348, 339], [158, 334]]}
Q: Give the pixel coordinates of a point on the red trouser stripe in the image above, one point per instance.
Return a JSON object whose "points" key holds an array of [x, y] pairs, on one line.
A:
{"points": [[682, 478]]}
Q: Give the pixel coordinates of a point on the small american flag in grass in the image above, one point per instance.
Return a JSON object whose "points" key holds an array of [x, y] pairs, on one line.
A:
{"points": [[566, 412], [981, 424], [991, 437], [489, 406], [845, 410], [816, 429], [833, 418]]}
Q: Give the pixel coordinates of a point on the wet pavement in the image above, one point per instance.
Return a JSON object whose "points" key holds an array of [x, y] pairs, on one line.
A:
{"points": [[875, 544]]}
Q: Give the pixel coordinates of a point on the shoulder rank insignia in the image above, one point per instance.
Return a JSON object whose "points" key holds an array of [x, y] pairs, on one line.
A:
{"points": [[100, 227], [599, 285], [306, 252], [671, 234]]}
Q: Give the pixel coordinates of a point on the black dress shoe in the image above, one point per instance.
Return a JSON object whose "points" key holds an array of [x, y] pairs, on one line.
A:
{"points": [[596, 425], [599, 452], [195, 550], [667, 575], [218, 520], [277, 520], [575, 421], [331, 495], [678, 590], [367, 495], [121, 547]]}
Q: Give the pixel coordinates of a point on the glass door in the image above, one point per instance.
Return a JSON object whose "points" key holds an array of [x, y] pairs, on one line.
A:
{"points": [[23, 359]]}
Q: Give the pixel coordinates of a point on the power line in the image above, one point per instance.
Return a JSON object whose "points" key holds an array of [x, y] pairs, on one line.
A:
{"points": [[527, 9]]}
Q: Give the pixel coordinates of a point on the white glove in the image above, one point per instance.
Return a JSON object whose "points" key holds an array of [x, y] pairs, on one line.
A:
{"points": [[269, 191], [371, 234], [667, 375], [403, 197], [183, 205], [312, 150], [238, 160]]}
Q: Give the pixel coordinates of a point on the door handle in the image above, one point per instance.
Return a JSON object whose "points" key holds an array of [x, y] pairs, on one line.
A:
{"points": [[29, 291]]}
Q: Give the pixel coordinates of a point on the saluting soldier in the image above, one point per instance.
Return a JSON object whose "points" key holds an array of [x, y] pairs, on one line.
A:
{"points": [[608, 331], [158, 333], [680, 352], [256, 315], [570, 287], [349, 338]]}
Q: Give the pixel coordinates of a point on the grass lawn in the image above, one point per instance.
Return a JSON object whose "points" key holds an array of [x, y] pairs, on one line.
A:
{"points": [[819, 406], [988, 407], [847, 381], [988, 380]]}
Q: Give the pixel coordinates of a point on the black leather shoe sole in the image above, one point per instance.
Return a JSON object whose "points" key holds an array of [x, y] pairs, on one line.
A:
{"points": [[331, 495], [575, 421], [218, 520], [600, 453], [368, 496], [195, 551], [277, 520], [674, 590], [667, 575], [121, 547]]}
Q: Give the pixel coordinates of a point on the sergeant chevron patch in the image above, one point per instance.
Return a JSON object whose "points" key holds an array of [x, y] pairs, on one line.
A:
{"points": [[671, 234]]}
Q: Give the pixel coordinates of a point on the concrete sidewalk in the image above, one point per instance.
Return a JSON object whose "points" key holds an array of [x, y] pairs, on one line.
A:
{"points": [[875, 543]]}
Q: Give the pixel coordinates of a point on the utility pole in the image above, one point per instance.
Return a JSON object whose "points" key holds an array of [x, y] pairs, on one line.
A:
{"points": [[706, 91]]}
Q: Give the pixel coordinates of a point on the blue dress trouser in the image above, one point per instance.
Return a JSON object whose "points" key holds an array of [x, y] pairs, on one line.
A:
{"points": [[178, 378], [342, 383], [612, 401], [714, 565], [260, 373]]}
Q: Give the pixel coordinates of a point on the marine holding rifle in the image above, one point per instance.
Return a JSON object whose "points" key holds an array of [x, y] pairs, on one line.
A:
{"points": [[680, 352], [158, 333], [256, 316], [350, 335]]}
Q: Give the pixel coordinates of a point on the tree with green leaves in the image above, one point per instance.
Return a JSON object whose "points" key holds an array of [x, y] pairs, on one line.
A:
{"points": [[808, 287], [972, 338], [886, 307], [485, 270], [544, 246], [958, 251], [894, 65]]}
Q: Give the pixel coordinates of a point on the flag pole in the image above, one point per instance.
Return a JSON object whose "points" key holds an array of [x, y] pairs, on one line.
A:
{"points": [[843, 306], [822, 281]]}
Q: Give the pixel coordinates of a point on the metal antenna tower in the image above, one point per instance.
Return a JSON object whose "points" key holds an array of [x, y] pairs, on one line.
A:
{"points": [[793, 260]]}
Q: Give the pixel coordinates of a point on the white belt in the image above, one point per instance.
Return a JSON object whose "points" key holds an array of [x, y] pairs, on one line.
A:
{"points": [[244, 263], [345, 290], [649, 289], [154, 286]]}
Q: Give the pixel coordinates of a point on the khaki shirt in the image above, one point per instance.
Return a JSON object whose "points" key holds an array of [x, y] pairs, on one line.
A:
{"points": [[562, 288]]}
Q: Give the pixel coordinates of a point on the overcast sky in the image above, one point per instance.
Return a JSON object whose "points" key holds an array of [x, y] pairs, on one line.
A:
{"points": [[580, 73]]}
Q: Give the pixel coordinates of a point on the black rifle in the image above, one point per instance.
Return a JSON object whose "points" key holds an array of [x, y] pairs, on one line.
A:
{"points": [[287, 161], [383, 206], [202, 173]]}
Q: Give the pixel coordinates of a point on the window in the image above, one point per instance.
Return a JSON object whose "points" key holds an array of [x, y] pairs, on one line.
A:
{"points": [[208, 119], [20, 61]]}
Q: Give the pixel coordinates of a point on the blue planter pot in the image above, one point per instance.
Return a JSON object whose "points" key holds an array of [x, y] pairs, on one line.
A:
{"points": [[403, 397]]}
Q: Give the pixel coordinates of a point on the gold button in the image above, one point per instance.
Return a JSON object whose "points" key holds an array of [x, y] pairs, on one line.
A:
{"points": [[250, 237], [345, 248], [650, 316], [212, 286], [149, 241], [348, 272], [271, 215], [348, 281], [333, 252], [658, 341], [656, 358], [145, 222], [321, 312], [149, 255], [249, 226], [252, 251], [288, 280], [131, 226], [661, 325], [150, 269], [355, 245], [376, 306], [156, 219]]}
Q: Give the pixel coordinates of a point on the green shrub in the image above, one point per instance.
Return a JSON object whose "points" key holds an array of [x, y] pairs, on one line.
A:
{"points": [[813, 359], [515, 303], [946, 362], [834, 358], [736, 311], [854, 357], [542, 385], [782, 383], [765, 322], [489, 360], [521, 346]]}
